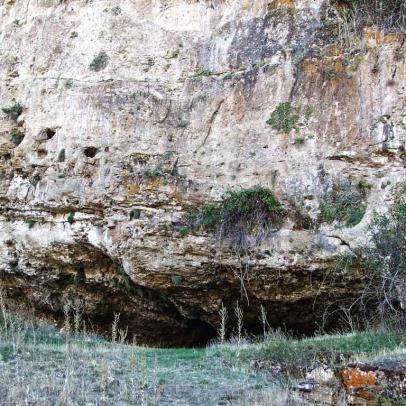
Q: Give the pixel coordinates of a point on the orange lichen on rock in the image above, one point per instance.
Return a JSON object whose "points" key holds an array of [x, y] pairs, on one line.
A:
{"points": [[155, 184], [339, 66], [359, 381], [283, 3], [374, 36], [133, 189], [311, 66]]}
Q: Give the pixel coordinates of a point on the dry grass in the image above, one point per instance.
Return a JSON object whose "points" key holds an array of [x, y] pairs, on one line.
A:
{"points": [[41, 366]]}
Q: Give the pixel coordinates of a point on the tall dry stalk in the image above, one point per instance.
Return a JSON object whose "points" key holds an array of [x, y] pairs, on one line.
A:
{"points": [[264, 319], [122, 335], [77, 316], [66, 317], [239, 315], [114, 327], [223, 323]]}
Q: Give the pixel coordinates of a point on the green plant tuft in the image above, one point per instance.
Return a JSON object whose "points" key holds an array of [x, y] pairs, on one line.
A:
{"points": [[153, 173], [99, 62], [13, 111], [17, 137], [71, 218], [184, 231], [284, 118]]}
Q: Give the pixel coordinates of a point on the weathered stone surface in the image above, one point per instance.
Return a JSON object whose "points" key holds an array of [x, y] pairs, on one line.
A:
{"points": [[175, 117]]}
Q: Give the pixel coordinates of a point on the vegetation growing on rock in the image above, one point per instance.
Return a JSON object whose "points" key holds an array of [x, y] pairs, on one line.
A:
{"points": [[388, 14], [99, 62], [253, 212], [13, 111], [342, 204], [17, 137], [284, 118], [71, 218]]}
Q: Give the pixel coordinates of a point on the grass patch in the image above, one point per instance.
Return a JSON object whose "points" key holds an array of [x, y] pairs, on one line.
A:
{"points": [[333, 350], [84, 369]]}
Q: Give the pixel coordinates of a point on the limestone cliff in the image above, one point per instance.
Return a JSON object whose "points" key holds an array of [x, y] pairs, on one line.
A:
{"points": [[136, 112]]}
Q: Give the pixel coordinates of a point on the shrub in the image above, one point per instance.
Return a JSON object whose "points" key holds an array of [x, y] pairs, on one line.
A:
{"points": [[13, 111], [99, 62], [284, 118], [387, 261], [343, 204], [243, 214]]}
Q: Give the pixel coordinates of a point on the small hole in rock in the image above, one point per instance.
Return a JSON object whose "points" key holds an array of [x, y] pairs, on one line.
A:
{"points": [[49, 132], [42, 153], [90, 152]]}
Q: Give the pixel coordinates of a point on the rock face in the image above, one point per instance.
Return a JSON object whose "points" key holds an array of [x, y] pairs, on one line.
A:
{"points": [[136, 113]]}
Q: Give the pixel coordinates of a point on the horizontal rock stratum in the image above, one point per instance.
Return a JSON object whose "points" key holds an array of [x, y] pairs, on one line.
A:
{"points": [[121, 119]]}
